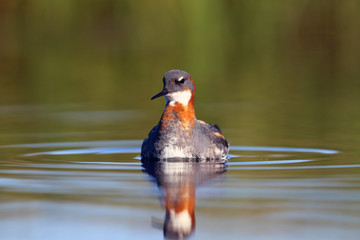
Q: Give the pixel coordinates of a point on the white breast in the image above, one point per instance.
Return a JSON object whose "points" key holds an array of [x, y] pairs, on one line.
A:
{"points": [[172, 151]]}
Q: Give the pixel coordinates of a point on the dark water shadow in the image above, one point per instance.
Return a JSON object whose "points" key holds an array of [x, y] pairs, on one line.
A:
{"points": [[178, 181]]}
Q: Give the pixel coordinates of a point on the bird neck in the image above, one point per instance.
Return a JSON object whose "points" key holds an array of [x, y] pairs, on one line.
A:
{"points": [[180, 208], [177, 112]]}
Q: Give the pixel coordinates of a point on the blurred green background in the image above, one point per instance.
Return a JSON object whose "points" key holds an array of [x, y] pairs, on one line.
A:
{"points": [[268, 72]]}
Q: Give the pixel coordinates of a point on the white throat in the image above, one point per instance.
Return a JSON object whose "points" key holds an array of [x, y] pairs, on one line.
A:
{"points": [[182, 97], [179, 222]]}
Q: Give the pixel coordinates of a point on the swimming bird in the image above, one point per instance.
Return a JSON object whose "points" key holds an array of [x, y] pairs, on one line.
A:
{"points": [[179, 134]]}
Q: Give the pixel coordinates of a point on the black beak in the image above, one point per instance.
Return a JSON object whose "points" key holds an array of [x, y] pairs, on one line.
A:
{"points": [[162, 93]]}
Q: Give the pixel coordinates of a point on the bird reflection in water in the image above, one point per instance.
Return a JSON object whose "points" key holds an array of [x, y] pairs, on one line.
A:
{"points": [[178, 180]]}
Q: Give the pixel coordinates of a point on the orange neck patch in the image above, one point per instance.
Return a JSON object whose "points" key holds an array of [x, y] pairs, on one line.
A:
{"points": [[183, 114]]}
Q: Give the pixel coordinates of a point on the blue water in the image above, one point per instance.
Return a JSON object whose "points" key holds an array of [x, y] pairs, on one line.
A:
{"points": [[100, 190]]}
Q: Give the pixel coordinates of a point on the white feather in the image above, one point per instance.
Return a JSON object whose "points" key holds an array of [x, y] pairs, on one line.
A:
{"points": [[180, 221], [182, 97], [172, 151]]}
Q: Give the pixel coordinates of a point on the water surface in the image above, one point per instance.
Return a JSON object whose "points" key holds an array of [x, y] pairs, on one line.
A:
{"points": [[100, 189]]}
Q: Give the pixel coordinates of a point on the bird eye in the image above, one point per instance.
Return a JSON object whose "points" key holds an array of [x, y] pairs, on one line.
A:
{"points": [[181, 80]]}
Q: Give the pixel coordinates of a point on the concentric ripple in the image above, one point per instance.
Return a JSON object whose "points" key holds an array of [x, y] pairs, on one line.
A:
{"points": [[260, 155]]}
